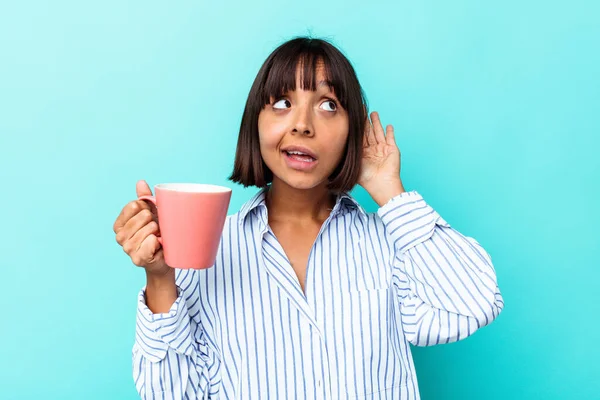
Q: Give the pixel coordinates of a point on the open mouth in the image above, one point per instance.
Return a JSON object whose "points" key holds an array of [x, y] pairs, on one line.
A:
{"points": [[298, 156], [299, 162]]}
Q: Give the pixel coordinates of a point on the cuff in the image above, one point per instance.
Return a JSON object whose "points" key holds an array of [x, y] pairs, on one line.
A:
{"points": [[156, 333], [409, 220]]}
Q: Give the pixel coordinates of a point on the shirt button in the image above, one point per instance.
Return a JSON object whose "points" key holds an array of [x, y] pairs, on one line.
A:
{"points": [[319, 383]]}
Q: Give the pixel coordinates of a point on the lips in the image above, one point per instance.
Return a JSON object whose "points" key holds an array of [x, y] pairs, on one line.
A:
{"points": [[300, 149], [300, 163]]}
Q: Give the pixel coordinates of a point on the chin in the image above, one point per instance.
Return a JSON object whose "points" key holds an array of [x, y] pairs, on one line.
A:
{"points": [[302, 183]]}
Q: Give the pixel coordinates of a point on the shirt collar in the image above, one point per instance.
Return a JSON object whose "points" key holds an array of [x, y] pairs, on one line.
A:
{"points": [[258, 200]]}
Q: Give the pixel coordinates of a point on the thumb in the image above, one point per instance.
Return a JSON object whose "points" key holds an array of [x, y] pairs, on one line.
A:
{"points": [[142, 188]]}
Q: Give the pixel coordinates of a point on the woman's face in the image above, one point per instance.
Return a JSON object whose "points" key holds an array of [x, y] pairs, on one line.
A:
{"points": [[315, 123]]}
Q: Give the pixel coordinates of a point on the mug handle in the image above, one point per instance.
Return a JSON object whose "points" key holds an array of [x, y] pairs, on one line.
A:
{"points": [[151, 199]]}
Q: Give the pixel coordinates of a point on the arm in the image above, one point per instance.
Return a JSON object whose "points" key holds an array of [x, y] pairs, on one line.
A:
{"points": [[446, 282], [171, 357]]}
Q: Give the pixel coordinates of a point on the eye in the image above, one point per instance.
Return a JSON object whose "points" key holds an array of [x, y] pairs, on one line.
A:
{"points": [[329, 105], [282, 104]]}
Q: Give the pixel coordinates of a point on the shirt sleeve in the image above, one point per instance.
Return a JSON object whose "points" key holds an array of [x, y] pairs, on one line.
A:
{"points": [[171, 356], [446, 283]]}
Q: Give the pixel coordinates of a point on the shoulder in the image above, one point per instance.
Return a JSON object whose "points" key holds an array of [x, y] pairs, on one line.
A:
{"points": [[366, 227]]}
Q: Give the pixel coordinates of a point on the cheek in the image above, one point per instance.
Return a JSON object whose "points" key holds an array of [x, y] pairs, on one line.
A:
{"points": [[340, 146], [270, 134], [339, 139]]}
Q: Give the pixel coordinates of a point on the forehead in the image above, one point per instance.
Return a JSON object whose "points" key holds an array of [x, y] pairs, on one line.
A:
{"points": [[306, 72], [320, 77]]}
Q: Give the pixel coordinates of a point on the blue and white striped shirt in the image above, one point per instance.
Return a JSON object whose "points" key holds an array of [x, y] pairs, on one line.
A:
{"points": [[375, 282]]}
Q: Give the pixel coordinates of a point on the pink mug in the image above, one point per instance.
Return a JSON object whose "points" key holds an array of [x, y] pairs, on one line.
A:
{"points": [[191, 217]]}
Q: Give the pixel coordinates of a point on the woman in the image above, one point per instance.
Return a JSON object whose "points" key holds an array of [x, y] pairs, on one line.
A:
{"points": [[310, 296]]}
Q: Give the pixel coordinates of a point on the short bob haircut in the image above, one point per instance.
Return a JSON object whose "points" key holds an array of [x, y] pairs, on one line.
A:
{"points": [[275, 78]]}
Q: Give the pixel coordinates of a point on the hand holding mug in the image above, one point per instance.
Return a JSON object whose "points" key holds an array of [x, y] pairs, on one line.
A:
{"points": [[137, 231]]}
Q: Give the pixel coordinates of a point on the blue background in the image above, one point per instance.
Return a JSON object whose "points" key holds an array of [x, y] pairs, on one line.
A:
{"points": [[496, 114]]}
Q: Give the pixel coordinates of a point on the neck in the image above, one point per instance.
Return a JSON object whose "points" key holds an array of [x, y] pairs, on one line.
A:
{"points": [[288, 203]]}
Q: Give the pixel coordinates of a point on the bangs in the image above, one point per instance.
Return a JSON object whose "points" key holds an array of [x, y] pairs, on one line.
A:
{"points": [[305, 59]]}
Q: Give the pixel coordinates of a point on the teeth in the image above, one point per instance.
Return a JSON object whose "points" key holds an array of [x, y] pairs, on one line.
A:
{"points": [[301, 156]]}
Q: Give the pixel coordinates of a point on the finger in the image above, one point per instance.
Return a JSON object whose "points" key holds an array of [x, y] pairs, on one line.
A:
{"points": [[134, 224], [148, 250], [130, 210], [389, 135], [142, 189], [377, 128], [132, 246], [369, 139]]}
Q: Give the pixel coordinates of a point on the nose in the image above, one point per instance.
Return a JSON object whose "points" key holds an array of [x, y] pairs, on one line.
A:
{"points": [[303, 121]]}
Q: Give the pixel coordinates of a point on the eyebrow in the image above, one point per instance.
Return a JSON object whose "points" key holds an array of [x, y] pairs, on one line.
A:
{"points": [[329, 84]]}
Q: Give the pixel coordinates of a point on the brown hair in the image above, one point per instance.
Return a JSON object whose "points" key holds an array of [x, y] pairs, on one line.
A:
{"points": [[275, 78]]}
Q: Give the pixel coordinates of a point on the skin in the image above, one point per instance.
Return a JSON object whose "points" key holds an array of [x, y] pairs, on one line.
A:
{"points": [[298, 202], [136, 229]]}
